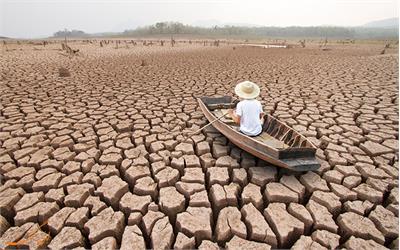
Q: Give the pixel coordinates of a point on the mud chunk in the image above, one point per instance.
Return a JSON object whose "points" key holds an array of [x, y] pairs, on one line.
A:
{"points": [[322, 218], [112, 189], [112, 159], [151, 217], [171, 201], [366, 192], [208, 245], [56, 195], [57, 221], [374, 149], [382, 185], [14, 234], [333, 176], [259, 229], [239, 175], [134, 218], [106, 223], [287, 227], [76, 198], [95, 205], [202, 148], [301, 213], [132, 238], [48, 182], [199, 199], [156, 146], [195, 221], [369, 170], [194, 175], [167, 177], [146, 186], [162, 235], [192, 161], [343, 192], [183, 242], [355, 243], [28, 200], [71, 167], [217, 175], [106, 243], [178, 163], [81, 188], [34, 239], [229, 224], [219, 150], [185, 148], [293, 184], [4, 225], [187, 189], [359, 207], [313, 182], [359, 226], [306, 243], [385, 221], [8, 199], [170, 144], [262, 175], [326, 238], [252, 193], [222, 196], [227, 162], [394, 195], [63, 154], [38, 213], [277, 192], [136, 172], [19, 173], [237, 243], [39, 156], [351, 181], [130, 203], [207, 161], [78, 218], [75, 178], [347, 170], [7, 167], [69, 237], [329, 200], [92, 178]]}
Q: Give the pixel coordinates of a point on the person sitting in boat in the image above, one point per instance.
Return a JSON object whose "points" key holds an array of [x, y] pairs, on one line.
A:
{"points": [[248, 112]]}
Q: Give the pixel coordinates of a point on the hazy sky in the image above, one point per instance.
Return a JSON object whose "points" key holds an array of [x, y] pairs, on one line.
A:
{"points": [[41, 18]]}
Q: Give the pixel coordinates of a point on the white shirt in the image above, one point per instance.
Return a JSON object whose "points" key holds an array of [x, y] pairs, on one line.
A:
{"points": [[249, 112]]}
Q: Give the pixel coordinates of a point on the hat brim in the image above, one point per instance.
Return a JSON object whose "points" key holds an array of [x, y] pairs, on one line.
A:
{"points": [[243, 95]]}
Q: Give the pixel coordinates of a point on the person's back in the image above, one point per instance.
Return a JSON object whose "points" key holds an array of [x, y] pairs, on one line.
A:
{"points": [[249, 112]]}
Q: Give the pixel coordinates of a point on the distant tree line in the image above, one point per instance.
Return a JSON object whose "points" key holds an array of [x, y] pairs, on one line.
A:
{"points": [[176, 29], [70, 33]]}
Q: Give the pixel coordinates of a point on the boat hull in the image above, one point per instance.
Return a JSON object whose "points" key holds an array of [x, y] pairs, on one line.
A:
{"points": [[258, 149]]}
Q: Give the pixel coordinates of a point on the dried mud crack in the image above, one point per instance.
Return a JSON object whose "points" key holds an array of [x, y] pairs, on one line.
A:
{"points": [[95, 159]]}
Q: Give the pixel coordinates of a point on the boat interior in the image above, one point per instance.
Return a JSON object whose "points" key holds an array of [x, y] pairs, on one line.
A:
{"points": [[275, 134], [264, 137]]}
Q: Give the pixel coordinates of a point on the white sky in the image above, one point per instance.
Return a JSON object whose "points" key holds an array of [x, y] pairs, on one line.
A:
{"points": [[41, 18]]}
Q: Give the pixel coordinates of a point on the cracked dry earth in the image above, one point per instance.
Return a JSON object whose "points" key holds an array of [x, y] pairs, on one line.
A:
{"points": [[87, 161]]}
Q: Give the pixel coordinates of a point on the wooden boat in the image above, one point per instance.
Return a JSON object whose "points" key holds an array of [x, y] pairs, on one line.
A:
{"points": [[278, 144]]}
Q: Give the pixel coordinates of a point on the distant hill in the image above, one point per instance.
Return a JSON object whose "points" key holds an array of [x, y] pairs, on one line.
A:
{"points": [[4, 37], [384, 23]]}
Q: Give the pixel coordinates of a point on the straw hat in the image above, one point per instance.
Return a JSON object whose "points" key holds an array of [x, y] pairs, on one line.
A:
{"points": [[247, 90]]}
